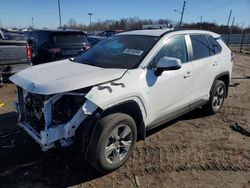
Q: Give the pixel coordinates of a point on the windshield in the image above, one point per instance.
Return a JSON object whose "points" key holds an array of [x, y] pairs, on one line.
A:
{"points": [[119, 51]]}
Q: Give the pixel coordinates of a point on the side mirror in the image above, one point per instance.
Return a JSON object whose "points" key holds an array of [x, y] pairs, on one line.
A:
{"points": [[167, 63]]}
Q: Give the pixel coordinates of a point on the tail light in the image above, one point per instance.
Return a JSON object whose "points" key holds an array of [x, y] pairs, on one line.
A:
{"points": [[28, 52], [232, 56]]}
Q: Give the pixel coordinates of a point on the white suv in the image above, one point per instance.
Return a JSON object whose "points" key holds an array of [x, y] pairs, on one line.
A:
{"points": [[108, 97]]}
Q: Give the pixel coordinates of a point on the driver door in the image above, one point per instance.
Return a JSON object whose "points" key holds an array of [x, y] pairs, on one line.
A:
{"points": [[170, 93]]}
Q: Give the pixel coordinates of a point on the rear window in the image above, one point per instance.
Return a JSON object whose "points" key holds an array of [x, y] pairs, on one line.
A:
{"points": [[200, 46], [69, 38], [214, 46]]}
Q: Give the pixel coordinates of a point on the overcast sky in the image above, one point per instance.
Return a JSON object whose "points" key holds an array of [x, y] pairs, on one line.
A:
{"points": [[18, 13]]}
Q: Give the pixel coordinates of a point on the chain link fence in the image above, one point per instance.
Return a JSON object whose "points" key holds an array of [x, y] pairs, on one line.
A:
{"points": [[238, 42]]}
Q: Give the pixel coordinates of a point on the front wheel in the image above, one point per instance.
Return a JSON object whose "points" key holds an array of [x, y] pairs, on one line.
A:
{"points": [[217, 98], [113, 142]]}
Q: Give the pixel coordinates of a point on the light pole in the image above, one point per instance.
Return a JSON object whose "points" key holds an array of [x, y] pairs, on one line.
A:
{"points": [[59, 12], [90, 14], [32, 22]]}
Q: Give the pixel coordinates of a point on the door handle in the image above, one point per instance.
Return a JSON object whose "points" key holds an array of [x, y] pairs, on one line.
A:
{"points": [[187, 75], [215, 63]]}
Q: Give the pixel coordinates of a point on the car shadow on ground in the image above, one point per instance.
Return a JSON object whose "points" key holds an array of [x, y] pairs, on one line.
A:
{"points": [[23, 164]]}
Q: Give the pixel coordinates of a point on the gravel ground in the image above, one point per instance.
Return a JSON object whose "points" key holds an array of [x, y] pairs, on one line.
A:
{"points": [[192, 151]]}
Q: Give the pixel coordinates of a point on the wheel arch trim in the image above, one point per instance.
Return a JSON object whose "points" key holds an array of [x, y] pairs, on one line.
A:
{"points": [[217, 78]]}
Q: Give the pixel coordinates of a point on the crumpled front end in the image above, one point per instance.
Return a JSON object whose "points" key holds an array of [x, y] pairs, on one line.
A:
{"points": [[51, 118]]}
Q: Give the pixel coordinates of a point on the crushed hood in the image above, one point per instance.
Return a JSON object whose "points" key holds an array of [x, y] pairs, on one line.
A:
{"points": [[63, 76]]}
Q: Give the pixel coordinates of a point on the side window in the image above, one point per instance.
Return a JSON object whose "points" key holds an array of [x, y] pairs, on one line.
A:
{"points": [[33, 39], [43, 40], [174, 47], [200, 46], [214, 46]]}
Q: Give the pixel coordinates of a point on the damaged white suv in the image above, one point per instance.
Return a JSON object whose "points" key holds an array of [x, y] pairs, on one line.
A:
{"points": [[108, 97]]}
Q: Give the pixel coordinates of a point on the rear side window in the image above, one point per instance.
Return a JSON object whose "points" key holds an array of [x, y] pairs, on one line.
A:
{"points": [[33, 39], [214, 46], [200, 46], [175, 47]]}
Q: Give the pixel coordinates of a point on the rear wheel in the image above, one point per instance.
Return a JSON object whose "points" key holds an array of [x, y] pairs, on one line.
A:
{"points": [[113, 142], [217, 97]]}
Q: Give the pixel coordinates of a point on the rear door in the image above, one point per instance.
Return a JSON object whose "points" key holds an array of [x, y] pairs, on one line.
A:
{"points": [[205, 66], [215, 50]]}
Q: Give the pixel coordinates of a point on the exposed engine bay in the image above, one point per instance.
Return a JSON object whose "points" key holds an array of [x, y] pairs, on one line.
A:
{"points": [[49, 118]]}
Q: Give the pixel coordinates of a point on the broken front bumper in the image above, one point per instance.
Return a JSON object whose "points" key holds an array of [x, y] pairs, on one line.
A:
{"points": [[63, 133]]}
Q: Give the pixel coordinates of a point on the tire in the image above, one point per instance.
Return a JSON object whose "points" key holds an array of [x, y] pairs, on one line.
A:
{"points": [[113, 142], [216, 99]]}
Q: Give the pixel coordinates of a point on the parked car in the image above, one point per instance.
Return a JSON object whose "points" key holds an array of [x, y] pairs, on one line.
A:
{"points": [[14, 56], [52, 45], [1, 35], [126, 85], [109, 33], [93, 40]]}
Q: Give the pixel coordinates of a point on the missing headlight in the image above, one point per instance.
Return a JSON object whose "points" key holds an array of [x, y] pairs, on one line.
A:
{"points": [[66, 107]]}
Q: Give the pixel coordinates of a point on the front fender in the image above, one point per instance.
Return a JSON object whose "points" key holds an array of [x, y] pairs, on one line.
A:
{"points": [[108, 95]]}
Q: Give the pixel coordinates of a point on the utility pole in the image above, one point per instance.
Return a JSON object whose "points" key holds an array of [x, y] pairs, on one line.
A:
{"points": [[230, 30], [242, 27], [229, 17], [0, 23], [233, 21], [201, 22], [59, 12], [90, 14], [182, 12], [32, 22]]}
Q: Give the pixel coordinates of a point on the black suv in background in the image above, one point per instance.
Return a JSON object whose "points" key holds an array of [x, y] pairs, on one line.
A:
{"points": [[109, 33], [51, 45]]}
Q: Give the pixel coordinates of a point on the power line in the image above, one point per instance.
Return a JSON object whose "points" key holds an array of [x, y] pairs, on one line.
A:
{"points": [[205, 7]]}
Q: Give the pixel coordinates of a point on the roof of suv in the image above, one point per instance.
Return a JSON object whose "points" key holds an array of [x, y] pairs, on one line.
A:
{"points": [[160, 32], [57, 30], [150, 32]]}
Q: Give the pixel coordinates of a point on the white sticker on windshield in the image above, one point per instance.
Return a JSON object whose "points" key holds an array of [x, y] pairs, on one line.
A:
{"points": [[133, 52]]}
